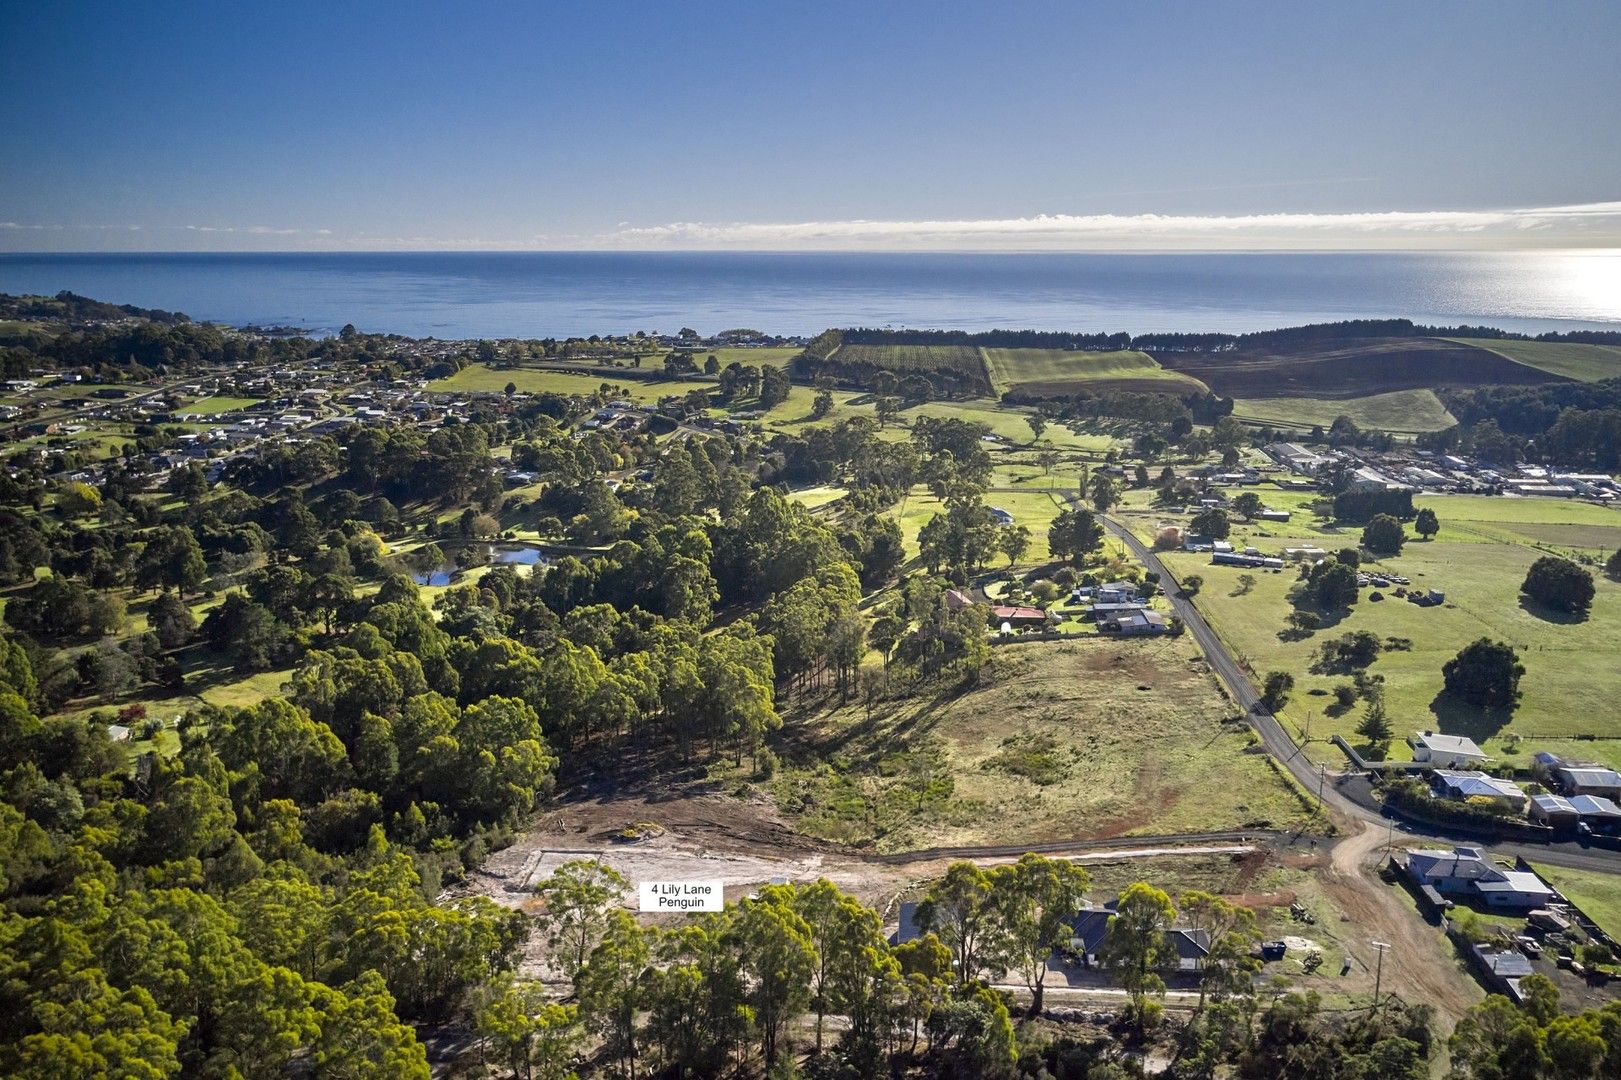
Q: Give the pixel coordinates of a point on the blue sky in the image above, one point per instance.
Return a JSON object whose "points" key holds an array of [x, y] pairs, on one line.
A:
{"points": [[1010, 125]]}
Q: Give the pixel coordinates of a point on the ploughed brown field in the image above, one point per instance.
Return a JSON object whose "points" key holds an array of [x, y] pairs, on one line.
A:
{"points": [[1351, 368]]}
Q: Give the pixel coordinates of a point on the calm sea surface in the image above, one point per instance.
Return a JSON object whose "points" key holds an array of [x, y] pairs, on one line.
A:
{"points": [[576, 293]]}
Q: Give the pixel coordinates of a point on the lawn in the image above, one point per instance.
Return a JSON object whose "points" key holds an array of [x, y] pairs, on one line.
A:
{"points": [[1035, 754], [213, 405], [1056, 371], [765, 355], [479, 378], [1597, 894], [813, 497], [1402, 412], [1585, 363], [1571, 678]]}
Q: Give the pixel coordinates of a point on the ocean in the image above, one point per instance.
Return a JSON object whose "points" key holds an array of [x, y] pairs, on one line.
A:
{"points": [[561, 294]]}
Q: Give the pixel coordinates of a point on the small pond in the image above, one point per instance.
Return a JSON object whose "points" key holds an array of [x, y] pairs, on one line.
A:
{"points": [[524, 555]]}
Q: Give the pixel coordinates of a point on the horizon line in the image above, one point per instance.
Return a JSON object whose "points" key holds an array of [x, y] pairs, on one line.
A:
{"points": [[1605, 247]]}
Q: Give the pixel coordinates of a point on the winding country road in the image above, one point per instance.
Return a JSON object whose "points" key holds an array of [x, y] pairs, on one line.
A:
{"points": [[1283, 747]]}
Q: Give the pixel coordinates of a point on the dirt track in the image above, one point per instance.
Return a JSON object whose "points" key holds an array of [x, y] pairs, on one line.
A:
{"points": [[1420, 962]]}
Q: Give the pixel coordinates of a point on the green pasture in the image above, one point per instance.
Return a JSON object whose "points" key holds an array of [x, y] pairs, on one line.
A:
{"points": [[1597, 894], [1402, 412], [1584, 363], [1571, 678], [762, 356]]}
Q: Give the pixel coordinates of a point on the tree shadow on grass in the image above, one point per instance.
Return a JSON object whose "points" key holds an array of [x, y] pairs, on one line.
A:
{"points": [[1454, 716], [1549, 614]]}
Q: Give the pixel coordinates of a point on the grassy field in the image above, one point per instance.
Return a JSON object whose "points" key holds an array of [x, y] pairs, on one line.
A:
{"points": [[212, 405], [1402, 412], [1571, 679], [813, 497], [1036, 755], [765, 355], [1595, 893], [479, 378], [1585, 363], [1560, 526], [1056, 372]]}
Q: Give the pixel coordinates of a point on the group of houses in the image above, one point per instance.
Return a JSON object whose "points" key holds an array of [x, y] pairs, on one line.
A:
{"points": [[1119, 607], [1575, 796]]}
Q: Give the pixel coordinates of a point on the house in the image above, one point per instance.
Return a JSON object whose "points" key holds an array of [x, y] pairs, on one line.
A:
{"points": [[1117, 592], [1588, 780], [956, 599], [1466, 871], [1102, 613], [1016, 617], [1000, 516], [1446, 751], [1553, 810], [1477, 785], [1138, 623], [1502, 970], [1596, 812], [1088, 929]]}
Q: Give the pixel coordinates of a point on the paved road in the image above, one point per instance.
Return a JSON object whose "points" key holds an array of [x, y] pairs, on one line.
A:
{"points": [[1282, 747]]}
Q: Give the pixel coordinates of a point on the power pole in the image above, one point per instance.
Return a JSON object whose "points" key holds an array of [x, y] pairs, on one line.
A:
{"points": [[1379, 973]]}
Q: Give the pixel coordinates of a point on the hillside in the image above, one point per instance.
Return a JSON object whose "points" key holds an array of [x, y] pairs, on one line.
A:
{"points": [[1585, 363], [1351, 368], [1058, 372]]}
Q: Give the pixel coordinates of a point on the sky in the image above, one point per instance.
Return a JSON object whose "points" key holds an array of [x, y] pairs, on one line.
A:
{"points": [[934, 126]]}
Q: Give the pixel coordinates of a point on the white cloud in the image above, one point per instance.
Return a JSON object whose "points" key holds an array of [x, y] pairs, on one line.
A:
{"points": [[1588, 224]]}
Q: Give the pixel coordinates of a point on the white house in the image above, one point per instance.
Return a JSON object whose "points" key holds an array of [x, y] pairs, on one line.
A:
{"points": [[1446, 751], [1466, 870]]}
